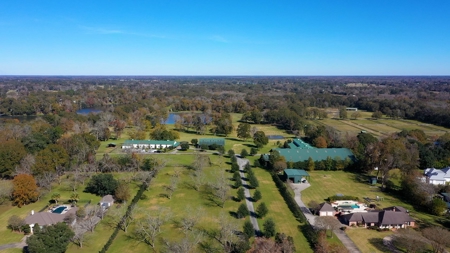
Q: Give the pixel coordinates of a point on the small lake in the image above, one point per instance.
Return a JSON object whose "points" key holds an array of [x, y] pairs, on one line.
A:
{"points": [[86, 111]]}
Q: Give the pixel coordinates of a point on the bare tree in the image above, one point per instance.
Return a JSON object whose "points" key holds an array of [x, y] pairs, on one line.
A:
{"points": [[410, 240], [327, 223], [46, 179], [314, 205], [439, 238], [226, 235], [198, 179], [149, 227], [79, 236], [25, 166], [89, 223], [185, 245], [6, 189], [191, 219], [265, 245], [170, 189], [221, 188]]}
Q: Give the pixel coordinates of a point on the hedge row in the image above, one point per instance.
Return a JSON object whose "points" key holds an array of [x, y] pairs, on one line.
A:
{"points": [[343, 197], [290, 201], [133, 203]]}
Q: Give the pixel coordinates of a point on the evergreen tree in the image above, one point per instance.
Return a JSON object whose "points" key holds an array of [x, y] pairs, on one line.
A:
{"points": [[310, 164], [244, 153], [253, 181], [241, 194], [262, 210], [269, 228], [234, 167], [249, 231], [242, 211], [253, 151], [230, 153], [257, 196], [102, 184]]}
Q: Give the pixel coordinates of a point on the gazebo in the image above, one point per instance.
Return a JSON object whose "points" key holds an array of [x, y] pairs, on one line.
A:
{"points": [[296, 175]]}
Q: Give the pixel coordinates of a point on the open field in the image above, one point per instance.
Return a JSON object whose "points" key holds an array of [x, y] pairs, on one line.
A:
{"points": [[368, 241], [279, 211], [381, 127]]}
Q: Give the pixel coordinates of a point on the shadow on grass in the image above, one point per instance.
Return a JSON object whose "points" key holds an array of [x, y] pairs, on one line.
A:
{"points": [[378, 244]]}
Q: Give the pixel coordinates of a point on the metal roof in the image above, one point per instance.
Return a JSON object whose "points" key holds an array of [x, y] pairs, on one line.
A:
{"points": [[294, 172], [317, 154]]}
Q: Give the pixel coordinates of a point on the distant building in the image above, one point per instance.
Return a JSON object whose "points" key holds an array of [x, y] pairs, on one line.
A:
{"points": [[354, 109], [211, 141], [296, 176], [300, 151], [149, 144], [436, 177], [107, 201]]}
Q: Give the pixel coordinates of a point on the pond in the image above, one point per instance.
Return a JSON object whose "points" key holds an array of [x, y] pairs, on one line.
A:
{"points": [[86, 111]]}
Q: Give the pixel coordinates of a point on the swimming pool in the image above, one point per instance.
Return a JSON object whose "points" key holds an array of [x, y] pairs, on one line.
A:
{"points": [[59, 209]]}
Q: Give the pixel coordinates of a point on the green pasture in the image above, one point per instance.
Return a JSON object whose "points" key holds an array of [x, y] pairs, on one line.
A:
{"points": [[370, 241]]}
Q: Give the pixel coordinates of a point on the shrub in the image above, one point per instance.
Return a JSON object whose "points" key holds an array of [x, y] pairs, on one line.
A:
{"points": [[344, 197]]}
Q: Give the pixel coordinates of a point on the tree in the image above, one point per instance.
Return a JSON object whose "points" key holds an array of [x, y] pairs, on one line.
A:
{"points": [[253, 151], [53, 238], [194, 142], [231, 153], [314, 206], [184, 146], [102, 184], [410, 240], [25, 190], [192, 217], [149, 227], [55, 197], [286, 243], [320, 142], [170, 189], [264, 245], [243, 131], [6, 189], [253, 181], [260, 139], [439, 237], [242, 211], [74, 197], [220, 189], [327, 223], [355, 115], [257, 196], [240, 194], [377, 115], [11, 152], [262, 210], [122, 192], [15, 223], [269, 228], [342, 113], [437, 206], [249, 231], [48, 159], [244, 153], [234, 167], [310, 165]]}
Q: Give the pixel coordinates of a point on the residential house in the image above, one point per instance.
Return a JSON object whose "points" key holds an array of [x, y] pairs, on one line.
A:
{"points": [[436, 177], [107, 201], [47, 218], [326, 209], [392, 217]]}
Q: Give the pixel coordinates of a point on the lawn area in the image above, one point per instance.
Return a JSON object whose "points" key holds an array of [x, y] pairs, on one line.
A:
{"points": [[13, 250], [368, 241], [279, 211]]}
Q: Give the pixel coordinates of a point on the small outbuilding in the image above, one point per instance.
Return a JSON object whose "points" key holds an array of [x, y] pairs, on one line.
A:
{"points": [[295, 175], [326, 209], [107, 201], [211, 141]]}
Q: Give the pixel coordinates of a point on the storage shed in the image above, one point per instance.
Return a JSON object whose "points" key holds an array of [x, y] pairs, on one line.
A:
{"points": [[296, 175]]}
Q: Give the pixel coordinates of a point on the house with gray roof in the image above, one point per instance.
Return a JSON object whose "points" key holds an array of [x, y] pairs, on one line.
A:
{"points": [[326, 209], [47, 218], [388, 218], [437, 177], [107, 201]]}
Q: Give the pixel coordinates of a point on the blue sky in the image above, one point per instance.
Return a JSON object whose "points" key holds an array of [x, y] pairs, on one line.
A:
{"points": [[168, 37]]}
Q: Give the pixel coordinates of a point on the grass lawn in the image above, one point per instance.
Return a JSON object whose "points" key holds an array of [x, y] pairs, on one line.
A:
{"points": [[279, 211], [13, 250], [368, 241]]}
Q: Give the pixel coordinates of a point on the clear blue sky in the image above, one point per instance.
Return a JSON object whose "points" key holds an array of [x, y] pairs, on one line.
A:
{"points": [[246, 37]]}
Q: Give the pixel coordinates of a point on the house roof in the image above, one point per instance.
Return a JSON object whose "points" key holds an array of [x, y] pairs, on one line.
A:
{"points": [[48, 218], [396, 209], [150, 142], [210, 141], [393, 217], [325, 207], [435, 174], [107, 199], [317, 154], [295, 172]]}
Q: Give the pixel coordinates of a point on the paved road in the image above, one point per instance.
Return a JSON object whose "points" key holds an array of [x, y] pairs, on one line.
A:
{"points": [[19, 245], [348, 243], [242, 162]]}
